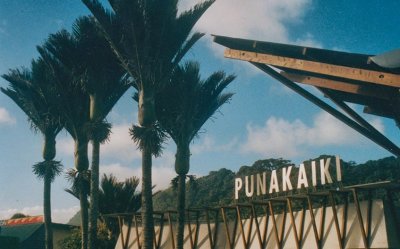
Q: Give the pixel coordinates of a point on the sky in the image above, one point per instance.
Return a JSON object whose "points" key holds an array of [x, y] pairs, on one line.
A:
{"points": [[263, 120]]}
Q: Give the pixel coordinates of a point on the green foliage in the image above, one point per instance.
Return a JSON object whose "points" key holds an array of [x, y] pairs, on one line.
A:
{"points": [[74, 240], [49, 169], [18, 215], [217, 188], [150, 138], [9, 242]]}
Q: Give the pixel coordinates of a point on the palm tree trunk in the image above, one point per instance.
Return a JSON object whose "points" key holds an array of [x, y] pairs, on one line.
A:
{"points": [[182, 158], [94, 195], [84, 217], [147, 200], [47, 212], [181, 211], [49, 152], [82, 164]]}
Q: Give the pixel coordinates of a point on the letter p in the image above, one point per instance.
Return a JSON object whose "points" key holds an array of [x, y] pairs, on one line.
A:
{"points": [[238, 186]]}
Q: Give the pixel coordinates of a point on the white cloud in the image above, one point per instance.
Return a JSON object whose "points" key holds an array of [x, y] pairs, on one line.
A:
{"points": [[59, 215], [208, 144], [120, 146], [264, 20], [5, 117], [279, 137], [163, 171], [257, 19]]}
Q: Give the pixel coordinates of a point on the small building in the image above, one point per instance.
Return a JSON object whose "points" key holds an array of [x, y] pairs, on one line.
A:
{"points": [[30, 232]]}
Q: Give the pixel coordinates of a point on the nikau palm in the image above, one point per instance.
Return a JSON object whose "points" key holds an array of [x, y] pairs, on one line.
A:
{"points": [[117, 197], [31, 90], [150, 39], [104, 82], [183, 106], [61, 55], [93, 69]]}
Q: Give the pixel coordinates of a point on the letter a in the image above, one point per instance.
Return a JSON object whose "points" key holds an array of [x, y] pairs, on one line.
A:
{"points": [[302, 178], [273, 183]]}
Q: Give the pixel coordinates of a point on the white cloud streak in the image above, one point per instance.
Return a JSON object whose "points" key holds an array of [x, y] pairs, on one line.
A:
{"points": [[264, 20], [5, 117], [282, 138], [120, 146], [208, 144]]}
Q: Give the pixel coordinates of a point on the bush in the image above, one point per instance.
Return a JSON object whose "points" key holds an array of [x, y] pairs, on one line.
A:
{"points": [[9, 242], [74, 240]]}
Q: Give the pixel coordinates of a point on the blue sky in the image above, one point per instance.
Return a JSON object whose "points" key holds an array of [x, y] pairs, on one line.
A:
{"points": [[263, 120]]}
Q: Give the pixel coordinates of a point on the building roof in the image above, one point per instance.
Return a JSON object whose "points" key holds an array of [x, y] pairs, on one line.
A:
{"points": [[369, 80], [22, 232], [24, 228]]}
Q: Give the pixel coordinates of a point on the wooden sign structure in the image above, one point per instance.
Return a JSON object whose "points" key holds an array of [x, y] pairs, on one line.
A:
{"points": [[343, 77], [345, 218]]}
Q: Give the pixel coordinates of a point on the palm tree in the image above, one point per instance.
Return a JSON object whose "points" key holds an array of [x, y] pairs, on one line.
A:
{"points": [[93, 69], [105, 84], [150, 39], [61, 55], [117, 197], [183, 107], [31, 90]]}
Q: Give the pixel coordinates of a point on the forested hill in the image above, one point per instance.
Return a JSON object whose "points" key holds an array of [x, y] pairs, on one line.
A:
{"points": [[217, 188]]}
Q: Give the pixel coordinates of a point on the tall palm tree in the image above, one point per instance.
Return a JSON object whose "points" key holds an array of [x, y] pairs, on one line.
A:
{"points": [[93, 69], [60, 54], [104, 81], [183, 106], [31, 90], [150, 39]]}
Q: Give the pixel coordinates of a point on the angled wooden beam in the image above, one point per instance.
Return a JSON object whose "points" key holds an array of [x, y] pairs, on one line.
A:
{"points": [[262, 238], [381, 78], [348, 121], [137, 232], [298, 238], [366, 90], [158, 238], [360, 218], [380, 111], [231, 239], [246, 237]]}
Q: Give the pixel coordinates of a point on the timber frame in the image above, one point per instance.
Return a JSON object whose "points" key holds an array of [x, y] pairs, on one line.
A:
{"points": [[340, 76], [287, 206]]}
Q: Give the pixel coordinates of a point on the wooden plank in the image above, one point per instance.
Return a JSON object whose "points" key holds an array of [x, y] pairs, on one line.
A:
{"points": [[380, 78], [366, 90], [382, 112]]}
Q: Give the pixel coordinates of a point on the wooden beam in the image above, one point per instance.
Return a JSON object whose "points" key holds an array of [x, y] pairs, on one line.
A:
{"points": [[380, 78], [382, 112], [367, 90]]}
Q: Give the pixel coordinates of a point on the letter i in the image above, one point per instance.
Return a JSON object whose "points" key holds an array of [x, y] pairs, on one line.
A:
{"points": [[314, 173]]}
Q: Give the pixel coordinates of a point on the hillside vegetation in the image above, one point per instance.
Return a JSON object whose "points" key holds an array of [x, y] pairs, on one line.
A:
{"points": [[217, 188]]}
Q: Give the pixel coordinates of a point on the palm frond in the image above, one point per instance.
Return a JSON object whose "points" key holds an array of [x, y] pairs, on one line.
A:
{"points": [[47, 169], [80, 180], [150, 138], [187, 102], [98, 131]]}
